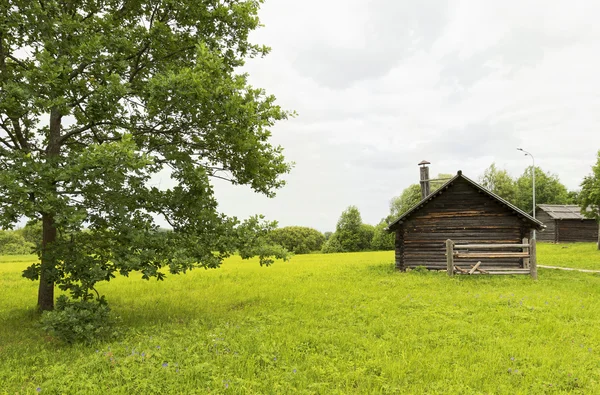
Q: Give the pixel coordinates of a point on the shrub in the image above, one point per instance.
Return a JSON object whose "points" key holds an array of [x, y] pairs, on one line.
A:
{"points": [[382, 240], [332, 245], [75, 321], [366, 236], [348, 230], [12, 243], [298, 239]]}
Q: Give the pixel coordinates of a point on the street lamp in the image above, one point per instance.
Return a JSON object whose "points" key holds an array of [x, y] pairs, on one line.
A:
{"points": [[533, 171]]}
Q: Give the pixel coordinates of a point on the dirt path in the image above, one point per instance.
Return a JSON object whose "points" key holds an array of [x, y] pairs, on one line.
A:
{"points": [[569, 268]]}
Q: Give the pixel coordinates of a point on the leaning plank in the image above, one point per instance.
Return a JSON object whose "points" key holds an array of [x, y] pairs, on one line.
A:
{"points": [[488, 246], [491, 255], [474, 268], [461, 269]]}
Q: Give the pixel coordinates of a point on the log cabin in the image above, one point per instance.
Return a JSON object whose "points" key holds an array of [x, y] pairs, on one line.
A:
{"points": [[466, 213], [565, 224]]}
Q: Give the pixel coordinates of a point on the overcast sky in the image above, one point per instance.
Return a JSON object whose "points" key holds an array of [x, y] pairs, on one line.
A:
{"points": [[379, 85]]}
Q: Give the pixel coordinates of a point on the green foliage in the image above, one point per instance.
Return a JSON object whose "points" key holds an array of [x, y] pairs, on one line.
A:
{"points": [[407, 199], [382, 240], [332, 245], [499, 182], [327, 235], [412, 195], [349, 231], [366, 237], [145, 87], [351, 234], [81, 321], [13, 243], [548, 189], [573, 197], [297, 239], [32, 233], [327, 324], [590, 192], [440, 180]]}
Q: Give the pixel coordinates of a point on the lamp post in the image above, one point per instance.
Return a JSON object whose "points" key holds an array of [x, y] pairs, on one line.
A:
{"points": [[533, 172]]}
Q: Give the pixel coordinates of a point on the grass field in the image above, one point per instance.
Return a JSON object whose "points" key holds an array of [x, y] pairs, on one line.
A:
{"points": [[339, 323]]}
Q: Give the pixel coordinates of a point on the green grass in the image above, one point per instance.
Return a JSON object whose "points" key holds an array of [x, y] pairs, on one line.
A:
{"points": [[339, 323], [575, 255]]}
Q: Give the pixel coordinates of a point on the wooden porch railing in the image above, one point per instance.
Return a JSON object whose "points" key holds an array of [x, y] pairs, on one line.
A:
{"points": [[456, 252]]}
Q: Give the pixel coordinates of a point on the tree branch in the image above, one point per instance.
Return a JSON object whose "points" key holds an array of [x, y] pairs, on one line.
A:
{"points": [[82, 129]]}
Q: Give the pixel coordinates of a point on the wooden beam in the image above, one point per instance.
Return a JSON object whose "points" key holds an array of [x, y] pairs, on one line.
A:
{"points": [[489, 246], [526, 251], [460, 269], [533, 260], [450, 257], [474, 268], [490, 255]]}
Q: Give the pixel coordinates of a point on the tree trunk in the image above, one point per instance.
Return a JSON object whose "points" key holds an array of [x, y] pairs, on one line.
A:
{"points": [[46, 288], [599, 234]]}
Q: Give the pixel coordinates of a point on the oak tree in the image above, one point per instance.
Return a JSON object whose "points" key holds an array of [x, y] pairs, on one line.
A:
{"points": [[97, 97], [589, 196]]}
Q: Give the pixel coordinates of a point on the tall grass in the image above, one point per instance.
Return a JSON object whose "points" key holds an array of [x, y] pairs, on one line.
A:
{"points": [[337, 323]]}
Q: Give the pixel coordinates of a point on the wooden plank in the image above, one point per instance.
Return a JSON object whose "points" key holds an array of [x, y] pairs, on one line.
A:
{"points": [[507, 272], [489, 246], [450, 257], [526, 250], [474, 268], [460, 269], [490, 255], [533, 260]]}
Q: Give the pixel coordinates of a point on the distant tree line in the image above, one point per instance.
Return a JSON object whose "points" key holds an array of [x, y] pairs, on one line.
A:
{"points": [[352, 235]]}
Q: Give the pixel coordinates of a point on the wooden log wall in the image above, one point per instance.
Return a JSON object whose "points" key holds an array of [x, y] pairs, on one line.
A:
{"points": [[572, 230], [464, 215], [549, 234]]}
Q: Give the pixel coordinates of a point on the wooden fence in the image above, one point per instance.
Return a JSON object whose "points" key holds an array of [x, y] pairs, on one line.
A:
{"points": [[456, 252]]}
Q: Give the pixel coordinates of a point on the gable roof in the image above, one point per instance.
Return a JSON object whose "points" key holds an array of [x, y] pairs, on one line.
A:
{"points": [[562, 211], [532, 221]]}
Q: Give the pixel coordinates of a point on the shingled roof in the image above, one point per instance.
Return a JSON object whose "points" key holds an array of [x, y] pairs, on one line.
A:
{"points": [[532, 221], [562, 211]]}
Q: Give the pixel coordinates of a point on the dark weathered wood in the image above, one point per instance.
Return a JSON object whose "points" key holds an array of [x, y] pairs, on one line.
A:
{"points": [[533, 260], [425, 184], [462, 215], [549, 234], [566, 230], [450, 257]]}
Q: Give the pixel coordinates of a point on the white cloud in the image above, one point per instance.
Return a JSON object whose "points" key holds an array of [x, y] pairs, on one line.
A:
{"points": [[381, 85]]}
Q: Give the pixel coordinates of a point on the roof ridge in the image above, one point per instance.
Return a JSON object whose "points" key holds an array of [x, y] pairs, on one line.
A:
{"points": [[441, 190]]}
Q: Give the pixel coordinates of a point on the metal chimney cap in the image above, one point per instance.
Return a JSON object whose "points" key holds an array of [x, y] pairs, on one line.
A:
{"points": [[424, 162]]}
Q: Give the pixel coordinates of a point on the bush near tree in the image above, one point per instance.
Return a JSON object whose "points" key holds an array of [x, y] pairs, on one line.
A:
{"points": [[382, 239], [350, 234], [13, 243], [297, 239]]}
